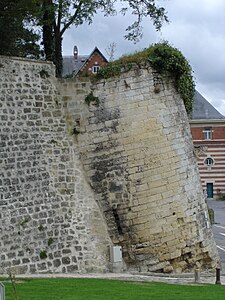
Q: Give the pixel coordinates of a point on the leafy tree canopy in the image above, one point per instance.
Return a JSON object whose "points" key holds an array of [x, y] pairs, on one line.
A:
{"points": [[16, 35], [59, 15], [56, 16]]}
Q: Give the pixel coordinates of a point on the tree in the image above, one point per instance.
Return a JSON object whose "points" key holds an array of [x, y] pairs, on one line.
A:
{"points": [[16, 37], [59, 15], [110, 50], [47, 22]]}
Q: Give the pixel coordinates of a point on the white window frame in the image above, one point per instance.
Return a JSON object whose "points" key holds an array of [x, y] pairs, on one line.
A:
{"points": [[209, 162], [208, 133], [95, 69]]}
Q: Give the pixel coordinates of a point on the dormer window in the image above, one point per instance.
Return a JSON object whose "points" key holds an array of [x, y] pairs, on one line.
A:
{"points": [[207, 133], [95, 69]]}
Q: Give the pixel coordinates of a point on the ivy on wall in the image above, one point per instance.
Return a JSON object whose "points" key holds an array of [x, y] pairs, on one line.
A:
{"points": [[166, 60]]}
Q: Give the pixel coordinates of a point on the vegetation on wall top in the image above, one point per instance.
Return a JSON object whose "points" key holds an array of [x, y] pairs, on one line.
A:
{"points": [[166, 60]]}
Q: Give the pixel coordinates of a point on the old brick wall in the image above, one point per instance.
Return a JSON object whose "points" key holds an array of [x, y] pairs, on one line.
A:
{"points": [[49, 220]]}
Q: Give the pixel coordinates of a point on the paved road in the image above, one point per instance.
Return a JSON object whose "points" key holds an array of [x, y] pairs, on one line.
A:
{"points": [[219, 227]]}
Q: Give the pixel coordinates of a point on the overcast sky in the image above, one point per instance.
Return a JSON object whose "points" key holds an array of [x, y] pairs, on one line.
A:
{"points": [[197, 28]]}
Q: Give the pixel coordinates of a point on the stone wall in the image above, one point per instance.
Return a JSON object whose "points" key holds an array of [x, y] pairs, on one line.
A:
{"points": [[137, 152], [49, 220], [76, 178]]}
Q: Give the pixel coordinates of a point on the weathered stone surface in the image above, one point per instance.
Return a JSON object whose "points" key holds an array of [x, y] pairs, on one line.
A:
{"points": [[137, 149], [46, 203], [77, 178]]}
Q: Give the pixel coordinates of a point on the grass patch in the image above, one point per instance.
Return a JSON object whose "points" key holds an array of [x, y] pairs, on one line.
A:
{"points": [[85, 289]]}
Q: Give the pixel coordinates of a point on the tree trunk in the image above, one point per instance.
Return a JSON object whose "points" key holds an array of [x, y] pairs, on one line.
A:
{"points": [[48, 23], [58, 59]]}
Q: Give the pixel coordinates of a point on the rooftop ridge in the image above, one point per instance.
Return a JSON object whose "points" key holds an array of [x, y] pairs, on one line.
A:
{"points": [[203, 109]]}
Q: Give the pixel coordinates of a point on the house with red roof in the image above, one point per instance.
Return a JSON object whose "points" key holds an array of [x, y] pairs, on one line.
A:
{"points": [[81, 65]]}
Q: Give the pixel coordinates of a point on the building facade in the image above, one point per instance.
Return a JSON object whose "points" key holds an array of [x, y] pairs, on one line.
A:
{"points": [[208, 132], [83, 65]]}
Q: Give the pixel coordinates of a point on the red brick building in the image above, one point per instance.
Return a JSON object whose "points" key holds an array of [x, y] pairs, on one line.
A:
{"points": [[79, 65], [208, 133]]}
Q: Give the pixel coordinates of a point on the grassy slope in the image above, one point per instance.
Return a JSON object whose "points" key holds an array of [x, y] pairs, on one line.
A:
{"points": [[85, 289]]}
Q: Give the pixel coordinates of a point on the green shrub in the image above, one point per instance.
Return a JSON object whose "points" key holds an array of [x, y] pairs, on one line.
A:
{"points": [[166, 60]]}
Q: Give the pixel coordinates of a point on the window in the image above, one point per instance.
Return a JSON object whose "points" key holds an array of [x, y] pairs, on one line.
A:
{"points": [[207, 133], [209, 161], [95, 69]]}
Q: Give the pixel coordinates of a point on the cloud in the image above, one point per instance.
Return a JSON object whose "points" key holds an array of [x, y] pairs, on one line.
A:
{"points": [[104, 31], [198, 29]]}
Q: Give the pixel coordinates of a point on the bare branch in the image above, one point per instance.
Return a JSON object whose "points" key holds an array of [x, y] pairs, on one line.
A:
{"points": [[110, 50]]}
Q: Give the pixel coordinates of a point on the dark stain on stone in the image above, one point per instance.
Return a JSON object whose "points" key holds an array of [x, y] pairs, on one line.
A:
{"points": [[117, 220]]}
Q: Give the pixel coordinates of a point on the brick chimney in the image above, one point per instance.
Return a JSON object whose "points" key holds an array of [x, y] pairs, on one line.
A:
{"points": [[75, 52]]}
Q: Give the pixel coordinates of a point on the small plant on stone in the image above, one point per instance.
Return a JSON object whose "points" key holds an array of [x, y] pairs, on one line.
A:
{"points": [[50, 241], [43, 254], [24, 221], [90, 98], [44, 74]]}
